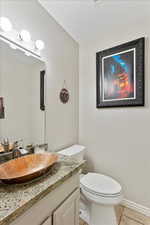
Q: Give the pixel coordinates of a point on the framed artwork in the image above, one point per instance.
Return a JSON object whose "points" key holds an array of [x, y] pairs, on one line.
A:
{"points": [[42, 90], [2, 113], [120, 75]]}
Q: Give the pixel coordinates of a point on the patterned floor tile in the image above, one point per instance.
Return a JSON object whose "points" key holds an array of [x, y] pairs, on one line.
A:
{"points": [[126, 216], [127, 221], [82, 222], [147, 221], [119, 211], [135, 215]]}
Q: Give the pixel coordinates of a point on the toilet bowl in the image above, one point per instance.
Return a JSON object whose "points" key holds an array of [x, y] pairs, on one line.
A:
{"points": [[103, 193], [99, 193]]}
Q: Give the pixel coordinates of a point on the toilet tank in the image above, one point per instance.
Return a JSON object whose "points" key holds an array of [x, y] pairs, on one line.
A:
{"points": [[76, 152]]}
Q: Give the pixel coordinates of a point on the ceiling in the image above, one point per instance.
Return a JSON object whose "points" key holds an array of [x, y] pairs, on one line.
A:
{"points": [[84, 19]]}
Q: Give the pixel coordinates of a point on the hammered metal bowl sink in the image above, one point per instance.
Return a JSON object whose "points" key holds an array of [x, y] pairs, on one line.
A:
{"points": [[26, 168]]}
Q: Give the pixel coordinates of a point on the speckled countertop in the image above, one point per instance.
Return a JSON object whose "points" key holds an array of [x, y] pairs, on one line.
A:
{"points": [[16, 199]]}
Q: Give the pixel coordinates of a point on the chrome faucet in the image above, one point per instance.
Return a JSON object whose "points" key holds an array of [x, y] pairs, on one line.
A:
{"points": [[16, 152]]}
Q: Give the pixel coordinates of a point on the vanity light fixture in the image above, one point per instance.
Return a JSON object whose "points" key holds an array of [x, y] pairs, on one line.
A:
{"points": [[5, 24], [39, 45], [20, 40], [27, 53], [25, 36], [13, 46]]}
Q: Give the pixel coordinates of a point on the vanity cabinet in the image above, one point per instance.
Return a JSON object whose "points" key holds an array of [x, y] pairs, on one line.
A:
{"points": [[59, 207], [48, 221], [68, 212]]}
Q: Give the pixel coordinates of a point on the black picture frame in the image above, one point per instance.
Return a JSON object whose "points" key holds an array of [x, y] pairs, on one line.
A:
{"points": [[2, 110], [120, 75], [42, 90]]}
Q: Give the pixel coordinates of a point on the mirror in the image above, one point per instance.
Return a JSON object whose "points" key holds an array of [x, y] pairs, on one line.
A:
{"points": [[20, 86]]}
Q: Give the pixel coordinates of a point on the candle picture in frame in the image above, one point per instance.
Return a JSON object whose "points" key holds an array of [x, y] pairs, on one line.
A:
{"points": [[120, 75]]}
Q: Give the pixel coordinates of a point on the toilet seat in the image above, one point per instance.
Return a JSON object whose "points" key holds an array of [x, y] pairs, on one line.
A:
{"points": [[99, 194], [100, 199], [100, 185], [101, 189]]}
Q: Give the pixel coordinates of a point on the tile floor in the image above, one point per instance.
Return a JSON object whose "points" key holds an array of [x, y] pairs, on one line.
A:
{"points": [[127, 216]]}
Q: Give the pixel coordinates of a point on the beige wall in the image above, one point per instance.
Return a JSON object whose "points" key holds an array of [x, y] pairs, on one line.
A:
{"points": [[117, 139], [61, 54]]}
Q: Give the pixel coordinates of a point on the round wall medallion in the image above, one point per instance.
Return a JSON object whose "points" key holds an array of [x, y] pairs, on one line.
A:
{"points": [[64, 95]]}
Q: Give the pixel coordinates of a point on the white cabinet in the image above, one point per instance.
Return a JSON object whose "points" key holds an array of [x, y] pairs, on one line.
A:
{"points": [[48, 221], [68, 212], [59, 207]]}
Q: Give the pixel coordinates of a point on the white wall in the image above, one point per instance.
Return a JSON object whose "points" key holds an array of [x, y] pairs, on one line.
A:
{"points": [[117, 139], [61, 55]]}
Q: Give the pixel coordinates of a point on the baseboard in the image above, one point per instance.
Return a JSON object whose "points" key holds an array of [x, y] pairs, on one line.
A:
{"points": [[84, 215], [136, 207]]}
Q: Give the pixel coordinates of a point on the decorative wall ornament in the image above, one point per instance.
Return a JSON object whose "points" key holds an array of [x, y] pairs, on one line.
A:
{"points": [[2, 111], [64, 94], [120, 75]]}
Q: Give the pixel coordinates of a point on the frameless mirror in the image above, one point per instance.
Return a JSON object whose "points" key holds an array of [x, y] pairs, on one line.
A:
{"points": [[21, 116]]}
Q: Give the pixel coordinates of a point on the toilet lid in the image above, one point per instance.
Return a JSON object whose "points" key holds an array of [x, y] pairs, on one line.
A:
{"points": [[102, 184]]}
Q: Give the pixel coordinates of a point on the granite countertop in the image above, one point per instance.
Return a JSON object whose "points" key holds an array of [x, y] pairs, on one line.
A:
{"points": [[16, 199]]}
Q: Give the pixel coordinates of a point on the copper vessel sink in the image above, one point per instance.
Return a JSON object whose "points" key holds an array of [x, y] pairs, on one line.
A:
{"points": [[26, 168]]}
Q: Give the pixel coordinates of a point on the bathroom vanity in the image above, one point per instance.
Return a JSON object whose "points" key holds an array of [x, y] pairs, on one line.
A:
{"points": [[50, 200], [54, 198]]}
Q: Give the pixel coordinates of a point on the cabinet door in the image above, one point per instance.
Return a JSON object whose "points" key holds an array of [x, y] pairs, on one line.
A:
{"points": [[48, 221], [68, 212]]}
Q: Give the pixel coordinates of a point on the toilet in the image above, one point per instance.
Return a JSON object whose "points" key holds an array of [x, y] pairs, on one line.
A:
{"points": [[99, 193]]}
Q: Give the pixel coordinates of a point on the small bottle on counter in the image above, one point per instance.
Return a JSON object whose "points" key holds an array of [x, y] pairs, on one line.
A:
{"points": [[5, 144]]}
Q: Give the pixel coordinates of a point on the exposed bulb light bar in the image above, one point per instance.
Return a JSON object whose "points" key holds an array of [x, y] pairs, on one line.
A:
{"points": [[5, 24], [25, 36], [27, 54], [97, 1], [20, 40], [39, 45], [13, 46]]}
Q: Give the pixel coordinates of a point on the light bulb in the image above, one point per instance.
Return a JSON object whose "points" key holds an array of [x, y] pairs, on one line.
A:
{"points": [[39, 45], [25, 36], [5, 24]]}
